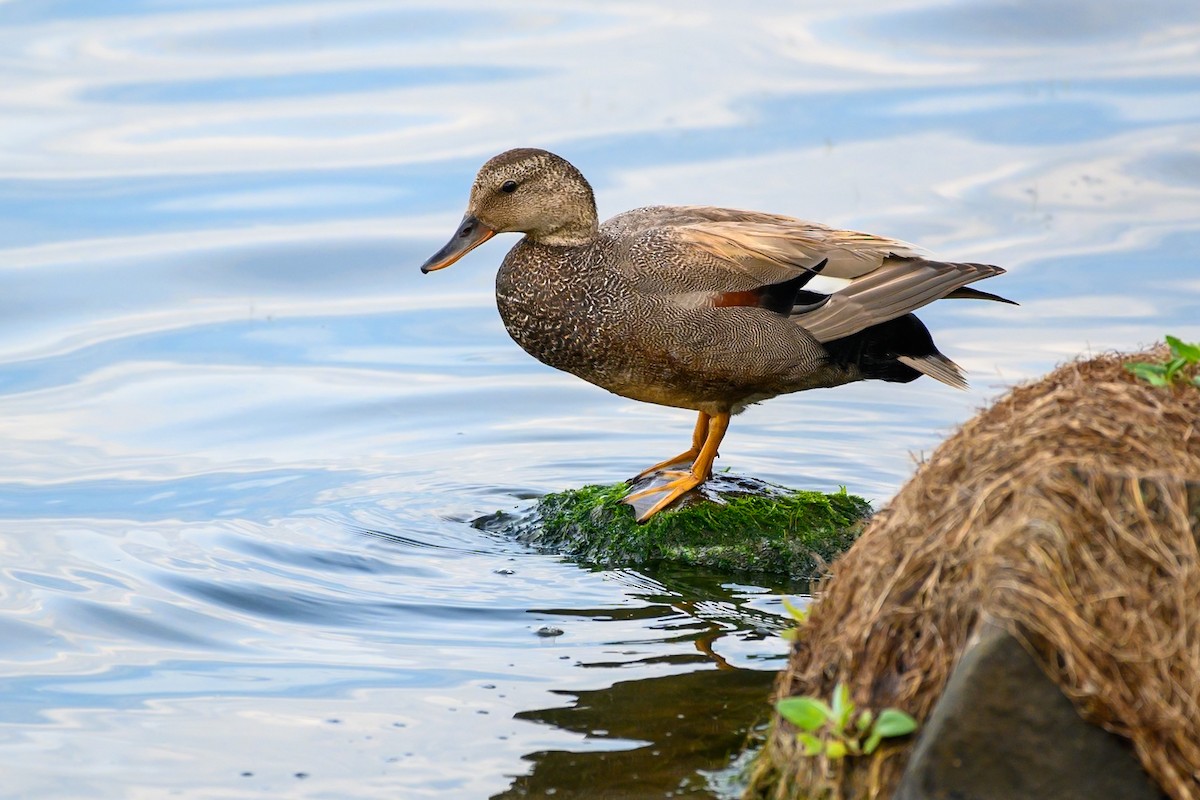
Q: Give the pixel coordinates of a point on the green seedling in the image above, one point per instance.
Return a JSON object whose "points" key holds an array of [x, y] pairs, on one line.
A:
{"points": [[796, 613], [1184, 356], [838, 728]]}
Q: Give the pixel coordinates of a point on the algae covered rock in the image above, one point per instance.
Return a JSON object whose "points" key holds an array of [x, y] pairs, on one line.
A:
{"points": [[733, 523]]}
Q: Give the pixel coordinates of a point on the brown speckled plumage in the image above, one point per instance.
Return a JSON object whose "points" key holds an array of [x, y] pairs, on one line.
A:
{"points": [[611, 332], [674, 304]]}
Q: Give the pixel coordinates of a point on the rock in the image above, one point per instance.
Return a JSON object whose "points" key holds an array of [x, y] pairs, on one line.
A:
{"points": [[731, 523], [1002, 729]]}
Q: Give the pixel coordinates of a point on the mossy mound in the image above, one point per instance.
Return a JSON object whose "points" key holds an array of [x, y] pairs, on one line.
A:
{"points": [[737, 524]]}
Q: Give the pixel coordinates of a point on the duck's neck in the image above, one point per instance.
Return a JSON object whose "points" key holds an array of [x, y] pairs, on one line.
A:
{"points": [[577, 233], [578, 225]]}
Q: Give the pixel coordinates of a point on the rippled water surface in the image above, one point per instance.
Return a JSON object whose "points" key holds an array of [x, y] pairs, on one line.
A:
{"points": [[243, 438]]}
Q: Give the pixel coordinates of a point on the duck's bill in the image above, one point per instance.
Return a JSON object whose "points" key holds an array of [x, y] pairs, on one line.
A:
{"points": [[470, 234]]}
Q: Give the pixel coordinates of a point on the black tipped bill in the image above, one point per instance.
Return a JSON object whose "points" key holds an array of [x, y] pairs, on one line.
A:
{"points": [[471, 233]]}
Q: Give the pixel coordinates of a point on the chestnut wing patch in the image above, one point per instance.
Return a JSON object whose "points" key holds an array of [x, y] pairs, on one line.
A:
{"points": [[777, 297]]}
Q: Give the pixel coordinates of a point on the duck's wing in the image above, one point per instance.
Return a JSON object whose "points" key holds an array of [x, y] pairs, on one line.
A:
{"points": [[729, 257], [769, 244], [697, 248]]}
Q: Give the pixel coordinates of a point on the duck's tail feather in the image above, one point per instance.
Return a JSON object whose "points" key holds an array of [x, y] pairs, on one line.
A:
{"points": [[969, 293], [938, 367], [899, 287]]}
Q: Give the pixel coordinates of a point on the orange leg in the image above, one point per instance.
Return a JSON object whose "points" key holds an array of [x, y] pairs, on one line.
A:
{"points": [[686, 480], [698, 437]]}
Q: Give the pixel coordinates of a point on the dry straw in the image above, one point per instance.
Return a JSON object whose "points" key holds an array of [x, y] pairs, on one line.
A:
{"points": [[1068, 513]]}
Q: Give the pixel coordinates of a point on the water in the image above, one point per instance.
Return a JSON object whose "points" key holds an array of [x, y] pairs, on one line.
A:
{"points": [[244, 438]]}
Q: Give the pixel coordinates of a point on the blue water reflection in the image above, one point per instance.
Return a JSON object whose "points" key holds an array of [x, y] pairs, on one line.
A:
{"points": [[244, 437]]}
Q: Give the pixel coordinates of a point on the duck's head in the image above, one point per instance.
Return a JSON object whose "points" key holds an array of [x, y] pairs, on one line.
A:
{"points": [[526, 191]]}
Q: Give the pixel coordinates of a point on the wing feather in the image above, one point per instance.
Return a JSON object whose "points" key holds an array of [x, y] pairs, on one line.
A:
{"points": [[900, 287], [719, 249], [691, 251]]}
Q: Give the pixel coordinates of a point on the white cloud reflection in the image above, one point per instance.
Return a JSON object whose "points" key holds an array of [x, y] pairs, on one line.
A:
{"points": [[592, 71]]}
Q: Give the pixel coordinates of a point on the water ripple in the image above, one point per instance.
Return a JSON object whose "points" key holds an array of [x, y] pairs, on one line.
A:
{"points": [[244, 437]]}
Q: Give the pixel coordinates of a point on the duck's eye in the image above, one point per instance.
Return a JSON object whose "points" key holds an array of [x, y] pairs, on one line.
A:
{"points": [[508, 187]]}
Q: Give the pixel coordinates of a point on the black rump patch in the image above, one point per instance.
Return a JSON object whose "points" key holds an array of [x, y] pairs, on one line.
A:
{"points": [[874, 350]]}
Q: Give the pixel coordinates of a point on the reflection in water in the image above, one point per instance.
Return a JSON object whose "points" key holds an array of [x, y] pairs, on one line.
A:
{"points": [[663, 735], [243, 439]]}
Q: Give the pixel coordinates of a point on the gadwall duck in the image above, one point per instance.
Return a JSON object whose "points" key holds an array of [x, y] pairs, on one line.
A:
{"points": [[699, 307]]}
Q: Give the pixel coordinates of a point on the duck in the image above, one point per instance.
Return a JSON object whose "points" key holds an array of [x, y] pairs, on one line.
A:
{"points": [[699, 307]]}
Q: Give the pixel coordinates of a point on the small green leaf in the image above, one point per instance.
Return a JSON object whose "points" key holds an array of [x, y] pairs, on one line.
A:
{"points": [[798, 614], [806, 713], [835, 749], [872, 742], [789, 635], [843, 706], [1154, 374], [1173, 366], [811, 744], [1188, 352], [893, 722], [864, 720]]}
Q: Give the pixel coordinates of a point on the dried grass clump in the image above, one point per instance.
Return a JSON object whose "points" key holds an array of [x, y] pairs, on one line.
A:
{"points": [[1066, 512]]}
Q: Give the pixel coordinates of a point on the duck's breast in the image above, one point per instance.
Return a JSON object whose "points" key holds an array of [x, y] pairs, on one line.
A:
{"points": [[563, 307]]}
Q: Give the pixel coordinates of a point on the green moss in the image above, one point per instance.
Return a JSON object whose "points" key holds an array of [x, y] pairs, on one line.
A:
{"points": [[742, 525]]}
